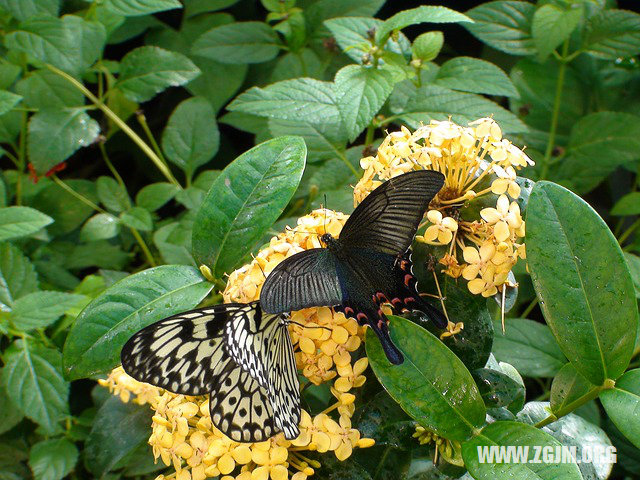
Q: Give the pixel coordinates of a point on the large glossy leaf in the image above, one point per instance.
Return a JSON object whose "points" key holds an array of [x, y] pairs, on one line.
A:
{"points": [[529, 346], [106, 444], [244, 201], [567, 387], [622, 403], [581, 278], [515, 434], [432, 385], [17, 275], [32, 377], [103, 327], [18, 222]]}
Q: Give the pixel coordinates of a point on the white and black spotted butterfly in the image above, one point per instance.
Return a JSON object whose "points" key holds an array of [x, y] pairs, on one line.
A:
{"points": [[239, 356]]}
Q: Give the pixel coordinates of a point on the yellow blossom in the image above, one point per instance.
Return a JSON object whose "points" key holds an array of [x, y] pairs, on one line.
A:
{"points": [[441, 230]]}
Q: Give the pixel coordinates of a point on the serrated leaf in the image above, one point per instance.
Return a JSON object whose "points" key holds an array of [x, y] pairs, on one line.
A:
{"points": [[138, 218], [552, 25], [101, 226], [191, 137], [195, 7], [106, 445], [10, 414], [52, 459], [244, 201], [146, 71], [612, 34], [17, 275], [66, 210], [70, 43], [102, 328], [360, 93], [415, 16], [240, 42], [43, 89], [8, 100], [599, 143], [41, 309], [529, 346], [622, 403], [324, 141], [322, 10], [427, 46], [24, 9], [32, 377], [432, 102], [473, 75], [504, 25], [54, 135], [130, 8], [18, 222], [112, 195], [580, 277], [300, 99], [155, 195], [627, 205], [432, 385]]}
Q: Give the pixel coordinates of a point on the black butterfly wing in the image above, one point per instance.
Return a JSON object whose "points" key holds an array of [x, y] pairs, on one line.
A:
{"points": [[182, 353], [387, 219], [306, 279]]}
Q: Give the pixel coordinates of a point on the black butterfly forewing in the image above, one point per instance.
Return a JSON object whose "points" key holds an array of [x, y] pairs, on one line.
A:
{"points": [[354, 271]]}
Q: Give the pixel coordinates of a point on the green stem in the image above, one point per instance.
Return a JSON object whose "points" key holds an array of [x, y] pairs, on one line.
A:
{"points": [[144, 247], [556, 112], [578, 402], [634, 226], [118, 121], [348, 164], [368, 140], [142, 120], [79, 196], [22, 156], [383, 458], [530, 307]]}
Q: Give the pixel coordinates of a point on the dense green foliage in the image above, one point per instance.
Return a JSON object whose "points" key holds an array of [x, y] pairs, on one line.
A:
{"points": [[107, 211]]}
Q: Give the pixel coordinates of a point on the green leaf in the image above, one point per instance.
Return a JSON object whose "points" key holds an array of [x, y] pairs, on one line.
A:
{"points": [[599, 143], [552, 25], [321, 10], [612, 34], [244, 201], [17, 275], [52, 459], [131, 8], [146, 71], [529, 346], [304, 63], [352, 35], [432, 102], [66, 210], [100, 254], [427, 46], [191, 137], [432, 385], [504, 25], [194, 7], [10, 414], [240, 42], [70, 43], [32, 377], [218, 82], [568, 386], [574, 431], [10, 126], [324, 141], [138, 218], [155, 195], [498, 389], [360, 93], [101, 226], [41, 309], [112, 195], [622, 403], [106, 445], [103, 327], [476, 76], [18, 222], [627, 205], [580, 277], [174, 243], [8, 100], [24, 9], [633, 262], [43, 89], [503, 433], [415, 16], [54, 135], [300, 99]]}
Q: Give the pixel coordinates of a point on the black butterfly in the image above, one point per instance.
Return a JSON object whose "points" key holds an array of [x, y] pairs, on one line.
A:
{"points": [[239, 356], [368, 265]]}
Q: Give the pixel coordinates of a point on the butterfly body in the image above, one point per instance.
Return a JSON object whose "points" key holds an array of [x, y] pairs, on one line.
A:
{"points": [[367, 265], [236, 353]]}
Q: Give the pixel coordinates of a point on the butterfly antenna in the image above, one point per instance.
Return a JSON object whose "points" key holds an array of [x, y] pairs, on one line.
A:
{"points": [[324, 226], [307, 326], [259, 266], [504, 296]]}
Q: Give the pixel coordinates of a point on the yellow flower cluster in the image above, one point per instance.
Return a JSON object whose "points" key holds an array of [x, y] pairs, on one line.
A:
{"points": [[449, 450], [476, 162]]}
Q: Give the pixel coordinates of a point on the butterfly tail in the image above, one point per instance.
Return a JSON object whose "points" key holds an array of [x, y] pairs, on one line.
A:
{"points": [[381, 329]]}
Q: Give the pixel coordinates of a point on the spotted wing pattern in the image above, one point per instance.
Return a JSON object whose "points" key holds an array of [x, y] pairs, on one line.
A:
{"points": [[188, 354]]}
